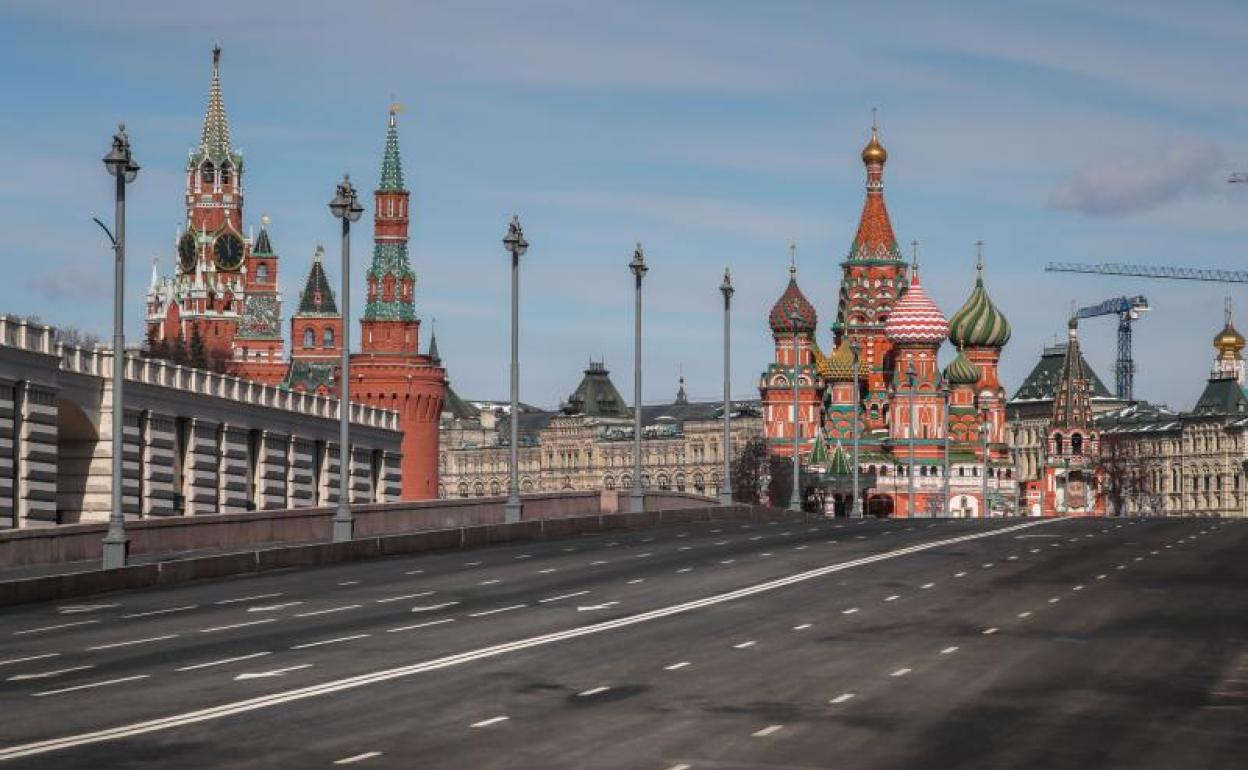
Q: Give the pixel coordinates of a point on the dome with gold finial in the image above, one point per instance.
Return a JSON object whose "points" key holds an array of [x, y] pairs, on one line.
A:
{"points": [[874, 152], [1229, 343], [978, 323], [838, 367], [962, 371]]}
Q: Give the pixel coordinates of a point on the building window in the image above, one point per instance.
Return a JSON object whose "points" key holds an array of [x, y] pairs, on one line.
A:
{"points": [[329, 338], [309, 338], [262, 273]]}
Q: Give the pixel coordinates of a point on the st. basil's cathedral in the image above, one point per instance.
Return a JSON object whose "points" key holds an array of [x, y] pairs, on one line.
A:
{"points": [[909, 411], [223, 302]]}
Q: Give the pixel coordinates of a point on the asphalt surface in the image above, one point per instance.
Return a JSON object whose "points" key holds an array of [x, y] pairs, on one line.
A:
{"points": [[1080, 643]]}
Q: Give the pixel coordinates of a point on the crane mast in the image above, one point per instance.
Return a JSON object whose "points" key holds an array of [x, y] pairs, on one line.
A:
{"points": [[1128, 310]]}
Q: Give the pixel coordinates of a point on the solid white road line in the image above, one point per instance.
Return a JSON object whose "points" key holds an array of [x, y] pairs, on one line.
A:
{"points": [[763, 733], [362, 680], [744, 645], [149, 613], [131, 642], [592, 691], [495, 612], [845, 696], [432, 607], [47, 674], [29, 658], [357, 758], [41, 629], [249, 598], [389, 599], [949, 650], [105, 683], [676, 666], [237, 625], [222, 662], [322, 642], [420, 625], [490, 721], [901, 672], [326, 612], [549, 599]]}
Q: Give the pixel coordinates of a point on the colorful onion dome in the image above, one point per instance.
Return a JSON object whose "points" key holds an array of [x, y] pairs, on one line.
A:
{"points": [[793, 304], [978, 323], [874, 152], [962, 371], [838, 367], [1229, 343], [915, 318]]}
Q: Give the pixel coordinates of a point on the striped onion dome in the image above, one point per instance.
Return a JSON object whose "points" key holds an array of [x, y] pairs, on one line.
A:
{"points": [[961, 371], [838, 367], [793, 303], [978, 323], [915, 318]]}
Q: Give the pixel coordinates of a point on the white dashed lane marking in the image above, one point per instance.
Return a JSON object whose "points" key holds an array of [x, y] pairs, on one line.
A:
{"points": [[490, 721], [132, 642], [843, 697], [773, 729], [90, 686], [357, 758], [676, 666], [496, 611], [744, 645], [901, 672]]}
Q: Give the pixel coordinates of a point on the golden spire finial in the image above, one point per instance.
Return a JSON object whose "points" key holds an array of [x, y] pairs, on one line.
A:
{"points": [[874, 152], [395, 108]]}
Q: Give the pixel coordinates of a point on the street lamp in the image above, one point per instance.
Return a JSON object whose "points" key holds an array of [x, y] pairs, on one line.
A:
{"points": [[345, 206], [945, 392], [123, 168], [795, 497], [516, 245], [856, 512], [725, 288], [637, 498], [913, 379], [985, 428]]}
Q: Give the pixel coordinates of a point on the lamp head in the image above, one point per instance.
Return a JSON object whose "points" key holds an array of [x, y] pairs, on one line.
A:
{"points": [[118, 161], [638, 265], [514, 242], [726, 287]]}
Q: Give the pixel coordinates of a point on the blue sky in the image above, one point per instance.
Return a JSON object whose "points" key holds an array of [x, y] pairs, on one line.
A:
{"points": [[713, 132]]}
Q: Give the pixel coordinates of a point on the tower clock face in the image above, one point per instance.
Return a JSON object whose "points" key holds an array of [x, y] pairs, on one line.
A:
{"points": [[229, 250], [186, 252]]}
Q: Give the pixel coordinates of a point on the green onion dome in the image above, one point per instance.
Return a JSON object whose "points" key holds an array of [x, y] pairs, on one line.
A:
{"points": [[978, 323], [961, 371]]}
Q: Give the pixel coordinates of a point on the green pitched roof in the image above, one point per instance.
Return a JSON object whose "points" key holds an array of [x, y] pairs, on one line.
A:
{"points": [[1041, 384], [840, 464], [596, 395], [214, 138], [1222, 396], [317, 297]]}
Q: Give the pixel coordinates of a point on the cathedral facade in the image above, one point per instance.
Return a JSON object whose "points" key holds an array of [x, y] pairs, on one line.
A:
{"points": [[221, 307], [931, 440]]}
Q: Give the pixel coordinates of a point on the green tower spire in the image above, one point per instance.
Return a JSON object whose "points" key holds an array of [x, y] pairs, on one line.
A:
{"points": [[390, 259], [391, 164]]}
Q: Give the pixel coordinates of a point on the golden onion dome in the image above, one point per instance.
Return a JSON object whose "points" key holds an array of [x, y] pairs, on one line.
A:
{"points": [[1229, 341], [874, 152], [839, 367]]}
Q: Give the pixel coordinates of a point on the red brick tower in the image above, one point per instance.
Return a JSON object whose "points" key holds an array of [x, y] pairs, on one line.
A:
{"points": [[390, 372], [980, 330], [916, 328], [1070, 483], [873, 279], [315, 334], [791, 315]]}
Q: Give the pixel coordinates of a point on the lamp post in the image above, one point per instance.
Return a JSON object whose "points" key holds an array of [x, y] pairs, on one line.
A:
{"points": [[725, 288], [985, 428], [516, 245], [795, 497], [945, 391], [912, 378], [856, 512], [637, 500], [123, 168], [345, 206]]}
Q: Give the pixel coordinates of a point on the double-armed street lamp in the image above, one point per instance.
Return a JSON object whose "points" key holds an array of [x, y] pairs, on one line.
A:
{"points": [[516, 245], [345, 206], [121, 165], [725, 490], [795, 497], [637, 500]]}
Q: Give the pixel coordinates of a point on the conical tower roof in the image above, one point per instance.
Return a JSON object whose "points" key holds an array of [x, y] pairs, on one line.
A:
{"points": [[793, 312], [391, 163], [317, 297], [874, 239], [840, 464], [1072, 407], [263, 247], [214, 138], [978, 323]]}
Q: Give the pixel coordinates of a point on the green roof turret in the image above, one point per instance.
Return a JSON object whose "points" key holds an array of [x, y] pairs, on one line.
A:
{"points": [[978, 323], [962, 371]]}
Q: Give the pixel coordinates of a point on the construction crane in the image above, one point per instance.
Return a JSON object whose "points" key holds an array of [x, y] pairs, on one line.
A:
{"points": [[1152, 271], [1128, 310]]}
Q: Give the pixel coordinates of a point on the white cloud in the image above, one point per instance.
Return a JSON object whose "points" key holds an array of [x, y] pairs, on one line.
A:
{"points": [[1117, 186]]}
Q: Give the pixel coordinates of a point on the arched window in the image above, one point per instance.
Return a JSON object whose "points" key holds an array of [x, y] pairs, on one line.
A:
{"points": [[309, 338], [207, 174], [225, 173], [262, 273], [329, 338], [1057, 444], [463, 489], [1076, 444]]}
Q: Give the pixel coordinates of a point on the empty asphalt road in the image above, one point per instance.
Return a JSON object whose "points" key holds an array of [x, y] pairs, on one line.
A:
{"points": [[1081, 643]]}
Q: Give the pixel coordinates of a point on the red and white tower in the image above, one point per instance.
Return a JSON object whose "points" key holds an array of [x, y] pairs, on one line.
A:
{"points": [[793, 322], [390, 372]]}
